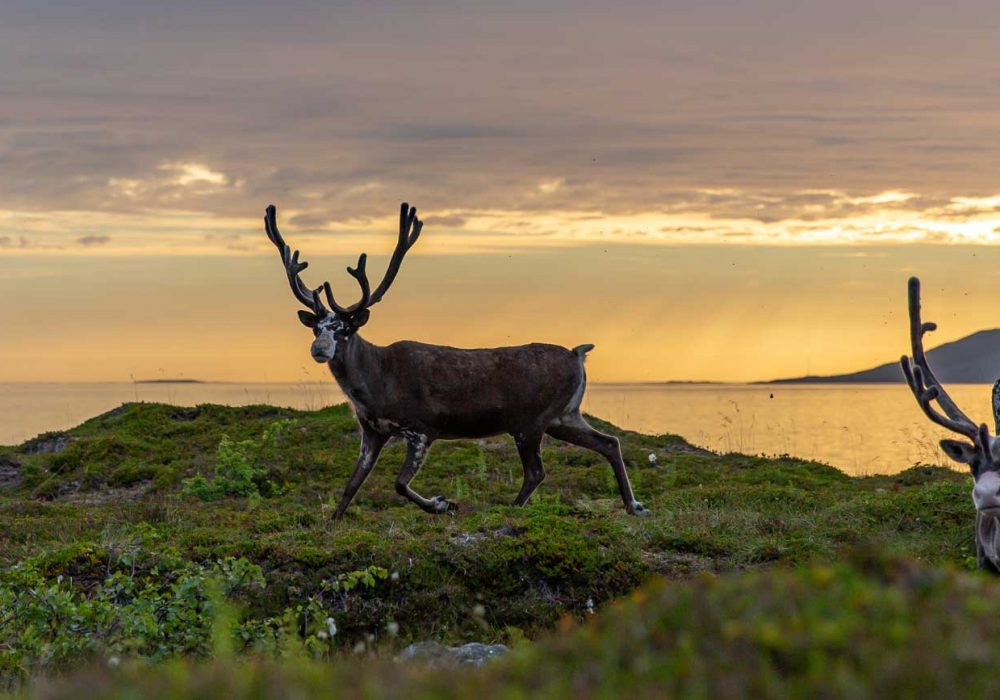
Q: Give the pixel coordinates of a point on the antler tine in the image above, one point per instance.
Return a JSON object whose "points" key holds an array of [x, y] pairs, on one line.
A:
{"points": [[983, 443], [926, 395], [361, 276], [308, 297], [409, 231], [921, 379]]}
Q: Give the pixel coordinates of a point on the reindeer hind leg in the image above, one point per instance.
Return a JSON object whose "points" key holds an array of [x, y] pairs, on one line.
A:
{"points": [[575, 430]]}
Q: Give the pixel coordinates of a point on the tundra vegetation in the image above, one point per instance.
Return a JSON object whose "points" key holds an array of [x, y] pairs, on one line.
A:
{"points": [[159, 551]]}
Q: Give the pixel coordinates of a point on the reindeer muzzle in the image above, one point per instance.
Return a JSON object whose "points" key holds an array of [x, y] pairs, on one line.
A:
{"points": [[323, 349]]}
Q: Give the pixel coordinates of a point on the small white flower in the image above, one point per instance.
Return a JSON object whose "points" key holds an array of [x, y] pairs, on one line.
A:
{"points": [[590, 606], [114, 661], [331, 627], [322, 634], [394, 576], [359, 648], [479, 610], [652, 458], [392, 628], [370, 637]]}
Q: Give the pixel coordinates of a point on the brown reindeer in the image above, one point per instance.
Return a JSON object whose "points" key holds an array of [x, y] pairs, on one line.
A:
{"points": [[423, 393], [982, 451]]}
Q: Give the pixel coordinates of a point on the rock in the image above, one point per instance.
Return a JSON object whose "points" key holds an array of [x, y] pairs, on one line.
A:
{"points": [[129, 494], [469, 538], [677, 564], [184, 415], [10, 472], [437, 655], [47, 444], [67, 488], [465, 538]]}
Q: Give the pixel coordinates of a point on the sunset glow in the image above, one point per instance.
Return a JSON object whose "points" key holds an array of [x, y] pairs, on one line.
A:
{"points": [[705, 191]]}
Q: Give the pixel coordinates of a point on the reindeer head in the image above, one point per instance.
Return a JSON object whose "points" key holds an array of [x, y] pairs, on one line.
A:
{"points": [[333, 328], [980, 450]]}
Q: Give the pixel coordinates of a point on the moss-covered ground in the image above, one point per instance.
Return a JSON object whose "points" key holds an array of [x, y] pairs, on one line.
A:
{"points": [[102, 543]]}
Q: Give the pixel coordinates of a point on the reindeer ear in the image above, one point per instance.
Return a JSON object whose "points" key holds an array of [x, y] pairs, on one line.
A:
{"points": [[360, 318], [308, 320], [959, 451]]}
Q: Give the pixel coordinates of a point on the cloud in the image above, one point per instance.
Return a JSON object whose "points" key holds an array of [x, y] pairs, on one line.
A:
{"points": [[195, 174], [92, 240], [233, 241], [14, 242], [456, 131], [445, 221], [310, 221], [336, 114]]}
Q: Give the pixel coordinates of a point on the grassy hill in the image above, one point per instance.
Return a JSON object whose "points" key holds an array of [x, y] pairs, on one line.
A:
{"points": [[118, 541]]}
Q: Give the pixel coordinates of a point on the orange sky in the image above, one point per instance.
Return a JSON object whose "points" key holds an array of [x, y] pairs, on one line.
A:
{"points": [[655, 312], [723, 191]]}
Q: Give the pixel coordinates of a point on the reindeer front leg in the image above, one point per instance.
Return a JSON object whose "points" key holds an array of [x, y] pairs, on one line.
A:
{"points": [[529, 447], [371, 445], [416, 451]]}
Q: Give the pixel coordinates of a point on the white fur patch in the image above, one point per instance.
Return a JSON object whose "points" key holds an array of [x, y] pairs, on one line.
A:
{"points": [[419, 442], [330, 323], [986, 493], [365, 461], [326, 341]]}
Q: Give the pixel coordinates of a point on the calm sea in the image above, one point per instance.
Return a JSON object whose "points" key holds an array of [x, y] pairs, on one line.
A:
{"points": [[861, 429]]}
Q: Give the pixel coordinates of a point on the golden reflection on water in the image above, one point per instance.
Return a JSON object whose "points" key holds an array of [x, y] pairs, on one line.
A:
{"points": [[861, 429]]}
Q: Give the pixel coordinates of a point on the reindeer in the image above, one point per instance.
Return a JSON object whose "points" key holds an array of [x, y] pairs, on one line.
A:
{"points": [[981, 452], [422, 393]]}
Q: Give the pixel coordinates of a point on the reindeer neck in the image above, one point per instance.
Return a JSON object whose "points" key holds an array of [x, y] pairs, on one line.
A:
{"points": [[357, 371]]}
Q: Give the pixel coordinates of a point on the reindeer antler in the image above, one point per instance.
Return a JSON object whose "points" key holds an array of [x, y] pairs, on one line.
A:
{"points": [[925, 385], [309, 297], [409, 230]]}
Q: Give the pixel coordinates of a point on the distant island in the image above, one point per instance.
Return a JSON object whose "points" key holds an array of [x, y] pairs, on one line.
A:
{"points": [[169, 381], [974, 359]]}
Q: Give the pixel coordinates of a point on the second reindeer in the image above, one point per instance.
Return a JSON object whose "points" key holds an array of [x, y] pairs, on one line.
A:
{"points": [[980, 450]]}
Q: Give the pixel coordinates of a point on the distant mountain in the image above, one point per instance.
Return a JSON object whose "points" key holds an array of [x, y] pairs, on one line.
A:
{"points": [[974, 359]]}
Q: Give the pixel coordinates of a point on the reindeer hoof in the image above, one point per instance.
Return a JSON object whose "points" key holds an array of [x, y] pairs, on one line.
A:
{"points": [[636, 508], [440, 504]]}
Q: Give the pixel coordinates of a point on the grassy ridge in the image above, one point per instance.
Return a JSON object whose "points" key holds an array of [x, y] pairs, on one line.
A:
{"points": [[111, 505]]}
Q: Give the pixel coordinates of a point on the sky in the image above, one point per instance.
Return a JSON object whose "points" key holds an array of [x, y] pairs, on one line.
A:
{"points": [[705, 190]]}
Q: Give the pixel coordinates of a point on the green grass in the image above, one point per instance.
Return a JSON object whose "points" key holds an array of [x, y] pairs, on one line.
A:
{"points": [[868, 628], [112, 506]]}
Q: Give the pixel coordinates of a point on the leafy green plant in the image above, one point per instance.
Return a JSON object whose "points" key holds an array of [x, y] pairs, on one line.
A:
{"points": [[366, 578], [241, 467], [53, 623], [50, 623]]}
